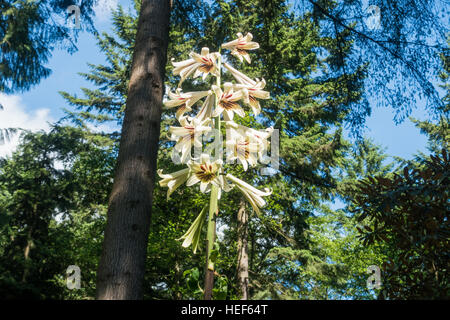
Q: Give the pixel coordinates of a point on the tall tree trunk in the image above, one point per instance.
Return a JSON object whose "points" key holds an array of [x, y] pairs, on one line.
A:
{"points": [[177, 295], [242, 266], [29, 245], [122, 263], [26, 254]]}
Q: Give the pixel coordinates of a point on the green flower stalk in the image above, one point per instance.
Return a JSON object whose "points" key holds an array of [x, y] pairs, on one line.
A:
{"points": [[246, 145]]}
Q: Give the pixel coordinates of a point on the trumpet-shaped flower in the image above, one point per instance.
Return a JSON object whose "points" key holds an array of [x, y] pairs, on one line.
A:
{"points": [[253, 93], [206, 109], [257, 135], [253, 195], [188, 134], [205, 172], [199, 64], [227, 102], [260, 138], [192, 236], [252, 89], [207, 63], [239, 76], [240, 147], [173, 180], [240, 46], [185, 100]]}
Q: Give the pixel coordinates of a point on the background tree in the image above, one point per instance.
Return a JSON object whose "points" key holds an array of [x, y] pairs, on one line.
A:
{"points": [[438, 132], [335, 231], [410, 217], [122, 264], [46, 186], [301, 246], [305, 129], [106, 105], [29, 32], [308, 106], [402, 50]]}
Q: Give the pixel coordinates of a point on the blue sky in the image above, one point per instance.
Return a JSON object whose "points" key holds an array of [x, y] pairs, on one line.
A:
{"points": [[42, 104]]}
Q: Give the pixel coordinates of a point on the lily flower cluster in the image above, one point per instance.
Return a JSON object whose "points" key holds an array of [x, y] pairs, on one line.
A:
{"points": [[246, 145]]}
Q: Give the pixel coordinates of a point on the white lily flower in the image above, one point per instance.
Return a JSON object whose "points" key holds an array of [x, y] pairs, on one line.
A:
{"points": [[239, 76], [188, 134], [255, 136], [184, 69], [206, 109], [205, 172], [240, 46], [203, 63], [173, 180], [241, 148], [252, 93], [227, 101], [253, 195], [188, 98], [252, 88], [192, 236], [185, 100], [207, 63]]}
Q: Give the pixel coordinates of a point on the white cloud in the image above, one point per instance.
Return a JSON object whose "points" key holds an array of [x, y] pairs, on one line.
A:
{"points": [[103, 9], [16, 115], [103, 127]]}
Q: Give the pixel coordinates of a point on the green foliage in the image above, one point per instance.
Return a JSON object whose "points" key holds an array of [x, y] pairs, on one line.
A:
{"points": [[46, 195], [439, 133], [402, 52], [309, 105], [54, 190], [192, 277], [410, 217]]}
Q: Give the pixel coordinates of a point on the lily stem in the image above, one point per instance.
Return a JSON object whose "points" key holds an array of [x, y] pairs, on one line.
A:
{"points": [[213, 212]]}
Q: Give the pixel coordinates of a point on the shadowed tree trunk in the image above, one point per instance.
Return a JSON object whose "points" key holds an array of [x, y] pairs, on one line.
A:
{"points": [[122, 263], [242, 266], [26, 254], [29, 245]]}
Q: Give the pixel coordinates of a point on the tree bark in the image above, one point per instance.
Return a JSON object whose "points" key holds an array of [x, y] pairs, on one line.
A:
{"points": [[29, 245], [242, 265], [26, 254], [122, 263]]}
